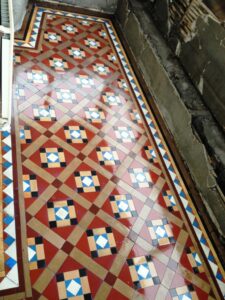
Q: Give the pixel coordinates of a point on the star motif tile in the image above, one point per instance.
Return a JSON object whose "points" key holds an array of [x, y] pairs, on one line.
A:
{"points": [[73, 285], [111, 99], [37, 77], [101, 69], [52, 158], [140, 177], [92, 43], [95, 115], [87, 181], [107, 156], [75, 134], [124, 134], [160, 232], [52, 37], [101, 242], [76, 53], [30, 188], [170, 200], [36, 253], [65, 96], [143, 272], [61, 213], [123, 206], [44, 113], [184, 293], [25, 135]]}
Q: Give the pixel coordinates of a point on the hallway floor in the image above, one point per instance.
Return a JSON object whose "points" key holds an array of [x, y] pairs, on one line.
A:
{"points": [[100, 210]]}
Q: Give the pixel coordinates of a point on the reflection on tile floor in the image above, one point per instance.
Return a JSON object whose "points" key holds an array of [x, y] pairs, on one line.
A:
{"points": [[103, 220]]}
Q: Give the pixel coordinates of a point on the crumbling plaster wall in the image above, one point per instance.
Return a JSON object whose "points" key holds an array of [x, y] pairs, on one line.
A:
{"points": [[178, 101]]}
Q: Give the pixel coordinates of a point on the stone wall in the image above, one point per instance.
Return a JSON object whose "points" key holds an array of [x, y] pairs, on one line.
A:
{"points": [[108, 6], [195, 132]]}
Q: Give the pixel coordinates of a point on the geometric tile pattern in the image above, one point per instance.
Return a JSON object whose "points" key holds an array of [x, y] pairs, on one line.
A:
{"points": [[30, 188], [44, 113], [107, 156], [36, 253], [87, 181], [160, 231], [73, 285], [143, 272], [184, 293], [9, 276], [140, 177], [95, 115], [25, 135], [194, 260], [123, 206], [69, 94], [61, 213], [101, 242], [52, 158], [75, 134]]}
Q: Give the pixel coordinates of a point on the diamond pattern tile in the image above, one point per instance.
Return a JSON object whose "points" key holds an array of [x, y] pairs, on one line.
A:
{"points": [[104, 213]]}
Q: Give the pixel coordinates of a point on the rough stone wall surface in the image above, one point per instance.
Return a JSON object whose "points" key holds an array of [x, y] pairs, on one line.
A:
{"points": [[180, 104], [19, 10], [108, 6]]}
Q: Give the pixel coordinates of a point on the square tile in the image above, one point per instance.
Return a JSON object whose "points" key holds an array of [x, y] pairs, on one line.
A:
{"points": [[101, 69], [30, 188], [101, 242], [140, 177], [122, 84], [65, 96], [184, 293], [75, 134], [95, 115], [52, 158], [84, 81], [111, 99], [44, 113], [169, 200], [87, 181], [123, 206], [143, 272], [73, 285], [58, 64], [69, 28], [160, 232], [76, 53], [107, 156], [36, 253], [135, 116], [194, 260], [37, 77], [61, 213], [124, 134], [150, 153], [25, 135], [52, 37], [92, 43]]}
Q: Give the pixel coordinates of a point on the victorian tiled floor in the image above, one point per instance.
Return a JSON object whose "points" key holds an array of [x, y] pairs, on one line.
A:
{"points": [[103, 212]]}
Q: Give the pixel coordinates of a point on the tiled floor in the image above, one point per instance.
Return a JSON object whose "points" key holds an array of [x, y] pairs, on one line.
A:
{"points": [[103, 211]]}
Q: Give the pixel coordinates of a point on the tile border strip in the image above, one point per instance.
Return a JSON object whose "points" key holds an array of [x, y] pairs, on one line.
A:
{"points": [[11, 279], [188, 206]]}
